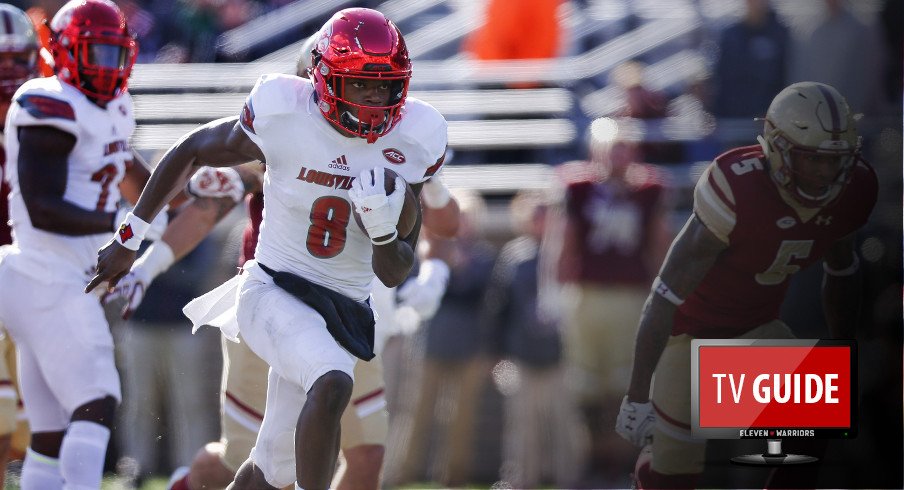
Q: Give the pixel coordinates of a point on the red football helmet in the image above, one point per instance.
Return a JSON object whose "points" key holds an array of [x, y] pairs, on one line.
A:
{"points": [[360, 43], [18, 50], [92, 48]]}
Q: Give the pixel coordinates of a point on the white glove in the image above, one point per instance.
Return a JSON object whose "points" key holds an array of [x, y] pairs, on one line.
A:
{"points": [[635, 422], [379, 212], [425, 292], [217, 182], [156, 259], [154, 231]]}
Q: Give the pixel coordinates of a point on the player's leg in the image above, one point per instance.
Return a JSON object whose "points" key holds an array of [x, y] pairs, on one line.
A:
{"points": [[8, 402], [81, 371], [676, 459], [309, 385], [41, 469], [365, 426], [21, 436], [243, 396]]}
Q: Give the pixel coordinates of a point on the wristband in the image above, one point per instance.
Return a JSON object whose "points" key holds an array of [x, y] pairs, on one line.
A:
{"points": [[435, 194], [131, 231], [664, 291], [156, 259], [395, 234], [847, 271]]}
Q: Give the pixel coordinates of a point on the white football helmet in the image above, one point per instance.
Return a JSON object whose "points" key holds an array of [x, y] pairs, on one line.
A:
{"points": [[809, 119]]}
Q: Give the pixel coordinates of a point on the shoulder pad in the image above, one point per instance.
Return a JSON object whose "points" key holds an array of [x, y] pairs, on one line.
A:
{"points": [[424, 127], [44, 103], [275, 94], [714, 202]]}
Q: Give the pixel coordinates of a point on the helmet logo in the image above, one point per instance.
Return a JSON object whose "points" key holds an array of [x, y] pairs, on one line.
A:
{"points": [[394, 156], [324, 70]]}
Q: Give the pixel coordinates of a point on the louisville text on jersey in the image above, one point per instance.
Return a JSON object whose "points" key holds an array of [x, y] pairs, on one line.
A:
{"points": [[325, 179]]}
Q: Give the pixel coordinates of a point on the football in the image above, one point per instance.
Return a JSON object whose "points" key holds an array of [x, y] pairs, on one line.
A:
{"points": [[411, 209]]}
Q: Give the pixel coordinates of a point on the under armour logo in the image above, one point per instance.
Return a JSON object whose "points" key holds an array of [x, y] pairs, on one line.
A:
{"points": [[823, 220]]}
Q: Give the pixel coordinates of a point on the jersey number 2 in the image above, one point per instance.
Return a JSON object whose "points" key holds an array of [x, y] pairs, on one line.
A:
{"points": [[329, 219], [782, 267]]}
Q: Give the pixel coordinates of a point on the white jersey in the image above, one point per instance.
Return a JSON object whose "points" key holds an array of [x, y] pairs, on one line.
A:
{"points": [[308, 227], [96, 167]]}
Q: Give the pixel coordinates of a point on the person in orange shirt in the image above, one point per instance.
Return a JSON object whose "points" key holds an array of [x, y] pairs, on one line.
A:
{"points": [[503, 35]]}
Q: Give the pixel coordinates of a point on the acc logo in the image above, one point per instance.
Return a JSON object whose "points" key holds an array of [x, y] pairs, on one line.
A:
{"points": [[786, 222], [394, 156]]}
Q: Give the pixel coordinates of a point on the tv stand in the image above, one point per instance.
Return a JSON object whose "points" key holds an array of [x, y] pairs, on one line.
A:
{"points": [[773, 456]]}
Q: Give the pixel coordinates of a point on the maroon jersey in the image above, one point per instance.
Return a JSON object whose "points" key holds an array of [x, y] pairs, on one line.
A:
{"points": [[768, 240], [255, 203], [5, 232], [609, 226]]}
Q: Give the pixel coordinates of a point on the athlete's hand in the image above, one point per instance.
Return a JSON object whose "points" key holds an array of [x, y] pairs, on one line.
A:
{"points": [[425, 292], [379, 213], [216, 183], [131, 288], [113, 262], [635, 422]]}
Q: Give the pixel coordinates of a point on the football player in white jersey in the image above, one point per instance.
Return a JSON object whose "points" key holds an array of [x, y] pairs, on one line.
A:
{"points": [[325, 143], [68, 155]]}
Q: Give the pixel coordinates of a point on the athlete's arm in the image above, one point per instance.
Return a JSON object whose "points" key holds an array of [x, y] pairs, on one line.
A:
{"points": [[219, 143], [841, 288], [43, 171], [393, 261], [691, 256], [441, 213]]}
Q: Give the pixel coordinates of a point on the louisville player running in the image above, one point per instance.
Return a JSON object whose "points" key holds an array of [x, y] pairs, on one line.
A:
{"points": [[67, 142], [761, 213], [320, 140], [18, 64], [244, 383]]}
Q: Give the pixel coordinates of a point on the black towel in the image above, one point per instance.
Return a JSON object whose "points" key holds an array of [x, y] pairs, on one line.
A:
{"points": [[349, 322]]}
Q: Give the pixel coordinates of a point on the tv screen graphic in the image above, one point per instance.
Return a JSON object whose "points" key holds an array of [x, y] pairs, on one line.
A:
{"points": [[773, 390]]}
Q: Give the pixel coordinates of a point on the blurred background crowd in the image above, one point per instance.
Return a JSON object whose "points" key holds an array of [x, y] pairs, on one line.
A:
{"points": [[494, 389]]}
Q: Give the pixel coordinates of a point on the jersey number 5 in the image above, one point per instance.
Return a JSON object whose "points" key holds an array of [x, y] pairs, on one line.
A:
{"points": [[782, 267], [329, 219]]}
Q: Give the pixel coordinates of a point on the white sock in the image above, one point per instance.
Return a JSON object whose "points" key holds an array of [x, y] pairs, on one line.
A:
{"points": [[82, 455], [298, 487], [40, 472]]}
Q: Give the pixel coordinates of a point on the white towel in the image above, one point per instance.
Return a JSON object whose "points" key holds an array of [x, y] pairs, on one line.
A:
{"points": [[217, 308]]}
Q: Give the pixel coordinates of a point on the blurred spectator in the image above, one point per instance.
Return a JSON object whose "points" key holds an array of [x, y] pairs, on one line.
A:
{"points": [[750, 69], [840, 51], [517, 30], [169, 402], [541, 428], [638, 100], [614, 239], [455, 365]]}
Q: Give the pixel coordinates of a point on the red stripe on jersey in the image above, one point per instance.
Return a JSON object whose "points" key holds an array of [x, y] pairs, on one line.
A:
{"points": [[245, 408], [248, 116], [719, 192], [369, 396], [42, 107], [435, 167]]}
